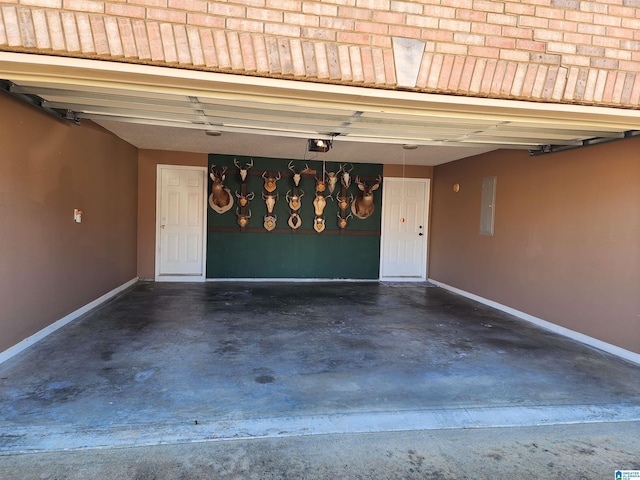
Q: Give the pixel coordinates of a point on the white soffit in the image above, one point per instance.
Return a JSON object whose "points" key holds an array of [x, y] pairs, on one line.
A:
{"points": [[126, 97]]}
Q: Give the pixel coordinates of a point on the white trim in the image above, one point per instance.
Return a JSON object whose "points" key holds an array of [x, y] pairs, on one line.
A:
{"points": [[425, 222], [296, 280], [27, 342], [181, 278], [580, 337], [51, 68]]}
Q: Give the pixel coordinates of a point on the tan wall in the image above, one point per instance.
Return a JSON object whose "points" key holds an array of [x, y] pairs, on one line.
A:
{"points": [[49, 265], [407, 171], [148, 160], [566, 246]]}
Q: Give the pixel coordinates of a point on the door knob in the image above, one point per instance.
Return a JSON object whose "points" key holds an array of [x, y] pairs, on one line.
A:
{"points": [[420, 234], [162, 226]]}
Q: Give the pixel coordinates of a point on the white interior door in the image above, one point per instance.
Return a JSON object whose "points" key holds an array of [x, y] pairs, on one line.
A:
{"points": [[405, 206], [181, 221]]}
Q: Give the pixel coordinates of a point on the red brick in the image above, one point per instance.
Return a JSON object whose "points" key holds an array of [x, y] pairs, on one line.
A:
{"points": [[149, 3], [356, 64], [141, 39], [260, 53], [374, 28], [57, 4], [286, 63], [406, 32], [381, 41], [126, 36], [155, 41], [423, 72], [437, 35], [514, 56], [252, 3], [422, 21], [455, 25], [122, 10], [354, 38], [536, 23], [501, 19], [337, 23], [487, 79], [171, 16], [282, 30], [301, 20], [354, 13], [469, 39], [486, 29], [546, 12], [471, 15], [390, 18], [203, 20], [374, 4], [529, 80], [456, 73], [273, 54], [501, 42], [607, 20], [452, 48], [333, 61], [594, 7], [406, 7], [590, 29], [189, 5], [222, 49], [367, 65], [519, 8], [318, 34], [549, 83], [434, 71], [289, 5], [195, 46], [273, 16], [498, 77], [345, 63], [466, 73], [227, 10], [84, 6], [518, 80], [389, 66], [246, 48], [484, 52], [40, 26], [320, 9], [439, 12], [627, 88], [240, 25], [235, 51], [634, 99], [530, 45], [539, 82]]}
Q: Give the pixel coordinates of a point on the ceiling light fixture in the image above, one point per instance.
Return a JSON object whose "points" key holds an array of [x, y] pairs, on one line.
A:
{"points": [[409, 146], [319, 145], [213, 133]]}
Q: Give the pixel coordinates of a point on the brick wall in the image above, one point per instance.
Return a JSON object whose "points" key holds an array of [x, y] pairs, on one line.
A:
{"points": [[568, 51]]}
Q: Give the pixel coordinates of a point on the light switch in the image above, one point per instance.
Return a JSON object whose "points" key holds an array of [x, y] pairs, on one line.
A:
{"points": [[77, 215]]}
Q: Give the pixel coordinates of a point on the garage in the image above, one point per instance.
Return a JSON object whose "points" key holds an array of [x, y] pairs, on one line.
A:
{"points": [[481, 271]]}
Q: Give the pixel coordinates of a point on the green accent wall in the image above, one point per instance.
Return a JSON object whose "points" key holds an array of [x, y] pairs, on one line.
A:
{"points": [[285, 253]]}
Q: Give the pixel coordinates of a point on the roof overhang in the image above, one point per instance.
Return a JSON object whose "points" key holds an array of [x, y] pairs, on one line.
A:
{"points": [[135, 98]]}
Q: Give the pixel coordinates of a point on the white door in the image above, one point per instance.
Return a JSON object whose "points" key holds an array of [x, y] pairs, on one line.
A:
{"points": [[181, 221], [405, 206]]}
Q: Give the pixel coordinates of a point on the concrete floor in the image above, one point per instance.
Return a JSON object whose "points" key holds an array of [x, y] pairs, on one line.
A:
{"points": [[181, 363]]}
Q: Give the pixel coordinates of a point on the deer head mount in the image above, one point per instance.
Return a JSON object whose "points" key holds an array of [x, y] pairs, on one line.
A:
{"points": [[362, 206], [343, 222], [220, 199], [270, 181], [243, 218], [345, 175], [332, 180], [294, 220], [270, 201], [270, 222], [296, 175], [295, 201], [244, 171], [321, 184], [318, 204], [243, 200], [344, 202], [319, 224]]}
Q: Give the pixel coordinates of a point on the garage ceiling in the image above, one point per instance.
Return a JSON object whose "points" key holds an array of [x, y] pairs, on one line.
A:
{"points": [[171, 109]]}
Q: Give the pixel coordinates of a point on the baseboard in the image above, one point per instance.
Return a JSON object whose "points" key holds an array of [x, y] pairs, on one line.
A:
{"points": [[297, 280], [180, 278], [27, 342], [580, 337]]}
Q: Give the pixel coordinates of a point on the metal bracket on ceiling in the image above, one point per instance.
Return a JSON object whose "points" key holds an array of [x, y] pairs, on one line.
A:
{"points": [[38, 102], [544, 149]]}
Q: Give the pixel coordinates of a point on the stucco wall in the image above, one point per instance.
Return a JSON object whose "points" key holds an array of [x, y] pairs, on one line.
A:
{"points": [[50, 265], [565, 247]]}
